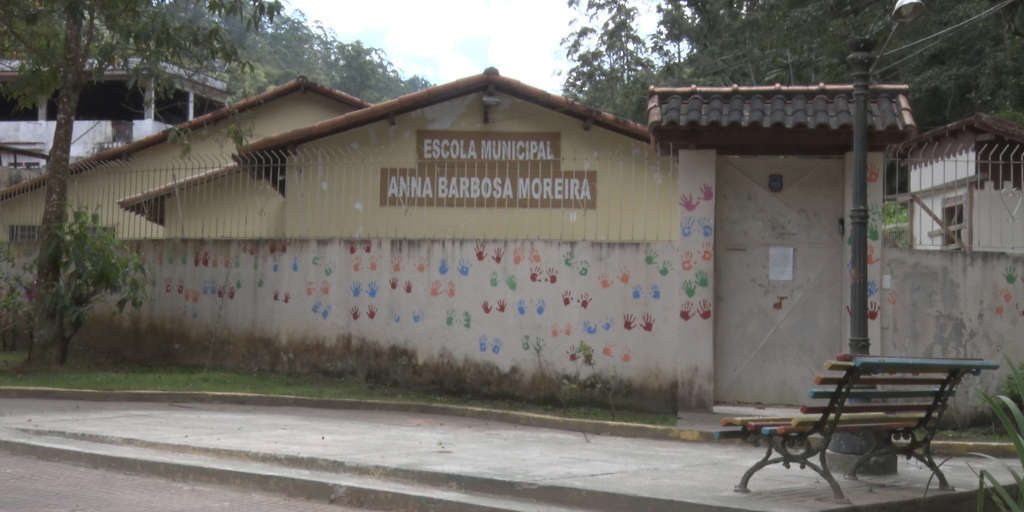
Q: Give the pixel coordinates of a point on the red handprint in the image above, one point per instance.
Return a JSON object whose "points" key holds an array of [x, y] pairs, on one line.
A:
{"points": [[627, 357], [371, 311], [707, 192], [872, 310], [535, 273], [1007, 296], [396, 265], [566, 297], [686, 201], [500, 306], [220, 292], [481, 251], [584, 300], [451, 289], [648, 323], [624, 276], [687, 261], [355, 310], [999, 309], [486, 307], [421, 265], [605, 282], [554, 331], [351, 248], [871, 255], [628, 321], [408, 287], [206, 259], [552, 276], [568, 330], [231, 293], [366, 247], [181, 286], [373, 263], [394, 283], [195, 296], [195, 259], [227, 261], [167, 286], [607, 350], [435, 288], [287, 297], [517, 256], [498, 254], [356, 263], [704, 309], [325, 287], [534, 255], [188, 296], [707, 250], [273, 247], [687, 311], [284, 247], [309, 287], [277, 295]]}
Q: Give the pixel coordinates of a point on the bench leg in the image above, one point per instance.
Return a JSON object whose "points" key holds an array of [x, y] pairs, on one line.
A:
{"points": [[928, 461], [837, 492], [765, 461]]}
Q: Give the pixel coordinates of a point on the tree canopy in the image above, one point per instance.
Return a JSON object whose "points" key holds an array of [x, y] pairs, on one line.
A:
{"points": [[963, 69], [291, 46]]}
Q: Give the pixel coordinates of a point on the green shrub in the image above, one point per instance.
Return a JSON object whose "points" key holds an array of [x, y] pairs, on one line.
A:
{"points": [[1011, 418]]}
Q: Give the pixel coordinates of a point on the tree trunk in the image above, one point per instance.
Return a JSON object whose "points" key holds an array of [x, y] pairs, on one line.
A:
{"points": [[48, 335]]}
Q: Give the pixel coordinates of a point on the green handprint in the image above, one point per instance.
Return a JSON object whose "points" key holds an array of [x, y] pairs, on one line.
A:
{"points": [[873, 232], [650, 256], [584, 268], [329, 270], [494, 279], [510, 281], [467, 320], [569, 258], [1010, 275], [538, 344], [259, 282], [689, 287], [238, 284], [666, 267], [449, 318], [702, 279], [316, 261], [526, 343], [238, 261]]}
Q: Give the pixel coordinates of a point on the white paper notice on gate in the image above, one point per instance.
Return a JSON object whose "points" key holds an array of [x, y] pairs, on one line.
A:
{"points": [[780, 263]]}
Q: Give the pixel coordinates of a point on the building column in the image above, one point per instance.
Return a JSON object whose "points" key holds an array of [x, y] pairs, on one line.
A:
{"points": [[42, 105], [149, 102], [191, 105]]}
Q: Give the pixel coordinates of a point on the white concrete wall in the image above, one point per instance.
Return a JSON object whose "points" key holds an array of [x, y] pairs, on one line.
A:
{"points": [[955, 305], [86, 135], [997, 219]]}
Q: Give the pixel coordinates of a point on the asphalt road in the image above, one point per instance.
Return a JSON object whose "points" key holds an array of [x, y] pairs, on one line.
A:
{"points": [[33, 485]]}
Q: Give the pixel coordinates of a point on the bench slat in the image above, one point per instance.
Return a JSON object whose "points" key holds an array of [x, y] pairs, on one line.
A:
{"points": [[921, 365], [839, 366], [743, 420], [883, 381], [851, 427], [861, 418], [851, 357], [878, 393], [806, 409]]}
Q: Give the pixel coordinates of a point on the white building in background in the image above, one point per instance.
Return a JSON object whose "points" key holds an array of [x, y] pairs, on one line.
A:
{"points": [[111, 112], [963, 185]]}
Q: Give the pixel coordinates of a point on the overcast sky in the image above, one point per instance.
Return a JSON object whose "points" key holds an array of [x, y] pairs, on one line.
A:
{"points": [[444, 41]]}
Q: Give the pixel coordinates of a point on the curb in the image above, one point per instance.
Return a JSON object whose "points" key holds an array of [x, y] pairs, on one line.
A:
{"points": [[596, 427]]}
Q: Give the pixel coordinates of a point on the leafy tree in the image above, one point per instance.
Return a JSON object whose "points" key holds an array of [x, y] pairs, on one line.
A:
{"points": [[64, 44], [290, 47], [612, 65]]}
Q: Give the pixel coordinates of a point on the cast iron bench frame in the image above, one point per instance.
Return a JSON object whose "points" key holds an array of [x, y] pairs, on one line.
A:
{"points": [[912, 425]]}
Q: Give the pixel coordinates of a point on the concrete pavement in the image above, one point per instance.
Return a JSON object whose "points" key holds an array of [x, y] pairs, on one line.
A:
{"points": [[408, 460]]}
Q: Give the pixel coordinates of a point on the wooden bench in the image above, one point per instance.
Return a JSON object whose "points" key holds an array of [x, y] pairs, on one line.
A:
{"points": [[903, 397]]}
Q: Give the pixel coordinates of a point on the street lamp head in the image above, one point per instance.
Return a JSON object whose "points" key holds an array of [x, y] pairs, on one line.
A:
{"points": [[907, 10]]}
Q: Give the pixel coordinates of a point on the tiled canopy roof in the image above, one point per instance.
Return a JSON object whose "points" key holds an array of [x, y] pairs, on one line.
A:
{"points": [[716, 117], [821, 106]]}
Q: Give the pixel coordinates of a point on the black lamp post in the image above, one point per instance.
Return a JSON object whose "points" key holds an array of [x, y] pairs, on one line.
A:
{"points": [[860, 60]]}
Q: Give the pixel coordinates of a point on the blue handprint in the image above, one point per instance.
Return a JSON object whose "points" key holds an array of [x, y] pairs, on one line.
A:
{"points": [[275, 266], [443, 269], [589, 327], [417, 316], [317, 305], [686, 227], [638, 291], [872, 288], [707, 226], [521, 307], [464, 266], [326, 311], [655, 291], [357, 287], [496, 345], [540, 306], [396, 317], [371, 289], [483, 343], [608, 322], [295, 264]]}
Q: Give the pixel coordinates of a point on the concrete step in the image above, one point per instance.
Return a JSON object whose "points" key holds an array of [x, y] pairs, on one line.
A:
{"points": [[547, 497], [371, 488]]}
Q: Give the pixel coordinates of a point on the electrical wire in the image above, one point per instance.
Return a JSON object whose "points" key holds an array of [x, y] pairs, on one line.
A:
{"points": [[947, 30]]}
